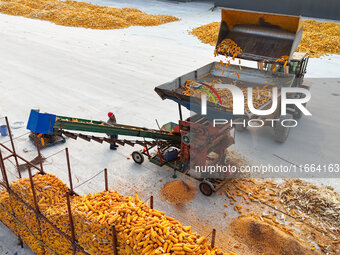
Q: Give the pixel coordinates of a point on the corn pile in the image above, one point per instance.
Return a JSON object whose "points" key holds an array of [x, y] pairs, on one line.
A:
{"points": [[140, 230], [80, 14], [318, 38], [177, 192], [261, 96], [49, 191], [207, 33]]}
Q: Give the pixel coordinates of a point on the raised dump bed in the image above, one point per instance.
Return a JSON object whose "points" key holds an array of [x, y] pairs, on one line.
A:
{"points": [[242, 77], [261, 36]]}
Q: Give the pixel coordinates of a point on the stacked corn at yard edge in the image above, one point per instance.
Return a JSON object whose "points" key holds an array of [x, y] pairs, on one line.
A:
{"points": [[140, 229], [24, 214], [49, 191]]}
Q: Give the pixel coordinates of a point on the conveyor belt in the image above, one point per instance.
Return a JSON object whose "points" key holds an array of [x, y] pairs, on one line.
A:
{"points": [[69, 123], [49, 124], [122, 142]]}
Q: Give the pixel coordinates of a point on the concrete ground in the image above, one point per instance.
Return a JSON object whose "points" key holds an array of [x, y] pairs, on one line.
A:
{"points": [[86, 73]]}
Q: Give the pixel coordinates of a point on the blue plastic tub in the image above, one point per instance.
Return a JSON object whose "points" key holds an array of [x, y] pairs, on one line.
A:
{"points": [[3, 130]]}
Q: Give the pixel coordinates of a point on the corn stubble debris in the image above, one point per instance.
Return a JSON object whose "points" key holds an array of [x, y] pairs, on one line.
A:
{"points": [[140, 229], [304, 201], [320, 206], [80, 14], [318, 39]]}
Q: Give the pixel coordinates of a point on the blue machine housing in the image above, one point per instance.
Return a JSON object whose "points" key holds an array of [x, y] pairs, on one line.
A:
{"points": [[41, 123], [171, 154]]}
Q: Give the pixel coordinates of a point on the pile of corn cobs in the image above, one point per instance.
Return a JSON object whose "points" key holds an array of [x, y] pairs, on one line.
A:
{"points": [[140, 229]]}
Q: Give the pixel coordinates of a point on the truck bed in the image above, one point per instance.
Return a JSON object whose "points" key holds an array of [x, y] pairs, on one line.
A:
{"points": [[248, 77]]}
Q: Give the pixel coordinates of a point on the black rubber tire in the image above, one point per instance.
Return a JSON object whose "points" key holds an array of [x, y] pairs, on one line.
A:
{"points": [[297, 113], [281, 132], [206, 188], [241, 128], [137, 157]]}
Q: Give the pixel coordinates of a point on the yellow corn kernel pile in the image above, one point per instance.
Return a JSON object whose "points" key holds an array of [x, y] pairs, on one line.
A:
{"points": [[207, 33], [80, 14], [318, 39], [261, 96], [140, 230]]}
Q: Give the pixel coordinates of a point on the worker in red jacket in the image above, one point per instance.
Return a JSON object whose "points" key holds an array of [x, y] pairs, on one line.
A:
{"points": [[112, 120]]}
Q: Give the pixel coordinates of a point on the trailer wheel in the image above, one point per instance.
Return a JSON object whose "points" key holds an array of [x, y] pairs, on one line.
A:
{"points": [[281, 132], [241, 128], [137, 157], [297, 113], [206, 188]]}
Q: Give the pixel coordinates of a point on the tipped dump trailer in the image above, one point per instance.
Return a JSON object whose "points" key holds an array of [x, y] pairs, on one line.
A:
{"points": [[263, 38], [249, 77]]}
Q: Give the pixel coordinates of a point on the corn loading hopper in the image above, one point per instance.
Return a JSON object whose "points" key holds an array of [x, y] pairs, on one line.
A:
{"points": [[261, 36]]}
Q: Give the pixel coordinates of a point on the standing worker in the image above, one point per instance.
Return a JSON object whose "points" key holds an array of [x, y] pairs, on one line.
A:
{"points": [[112, 120]]}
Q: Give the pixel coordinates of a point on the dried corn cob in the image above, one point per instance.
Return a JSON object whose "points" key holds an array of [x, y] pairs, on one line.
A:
{"points": [[140, 229]]}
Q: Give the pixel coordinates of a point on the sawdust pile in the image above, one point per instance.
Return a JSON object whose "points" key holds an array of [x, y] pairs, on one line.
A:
{"points": [[80, 14], [177, 192], [321, 206], [266, 238], [319, 38]]}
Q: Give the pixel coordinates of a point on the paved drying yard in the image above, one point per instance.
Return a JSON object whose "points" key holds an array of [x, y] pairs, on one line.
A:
{"points": [[86, 73]]}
